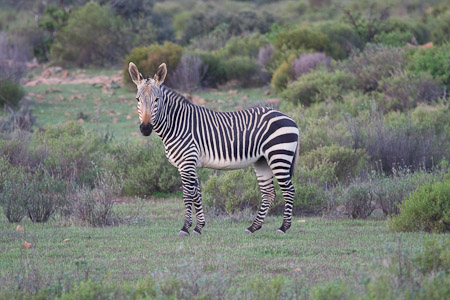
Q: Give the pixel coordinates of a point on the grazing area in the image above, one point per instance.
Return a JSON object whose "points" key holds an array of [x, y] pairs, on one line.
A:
{"points": [[91, 209], [223, 262]]}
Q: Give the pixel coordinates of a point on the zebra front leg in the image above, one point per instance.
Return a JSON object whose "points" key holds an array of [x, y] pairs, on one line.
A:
{"points": [[189, 191], [265, 182], [198, 210]]}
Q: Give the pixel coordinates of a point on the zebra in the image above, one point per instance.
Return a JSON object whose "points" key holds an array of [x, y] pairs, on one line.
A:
{"points": [[196, 137]]}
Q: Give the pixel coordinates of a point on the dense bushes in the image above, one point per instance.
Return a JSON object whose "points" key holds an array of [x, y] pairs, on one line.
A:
{"points": [[232, 192], [148, 59], [426, 209], [10, 93], [144, 169], [318, 86], [432, 60], [90, 37]]}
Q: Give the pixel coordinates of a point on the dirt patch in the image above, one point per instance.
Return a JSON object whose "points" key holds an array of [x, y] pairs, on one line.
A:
{"points": [[56, 75]]}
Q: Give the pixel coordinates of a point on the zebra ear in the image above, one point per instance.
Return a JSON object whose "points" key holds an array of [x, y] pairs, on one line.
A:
{"points": [[161, 74], [134, 73]]}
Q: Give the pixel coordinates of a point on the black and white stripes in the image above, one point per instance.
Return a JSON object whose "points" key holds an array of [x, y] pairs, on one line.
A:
{"points": [[196, 137]]}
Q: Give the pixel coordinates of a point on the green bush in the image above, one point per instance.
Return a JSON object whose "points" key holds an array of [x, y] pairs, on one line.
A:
{"points": [[342, 39], [318, 86], [90, 37], [232, 192], [71, 151], [440, 28], [144, 169], [247, 45], [281, 76], [148, 59], [427, 209], [432, 60], [10, 93], [241, 68], [302, 38], [48, 194], [372, 65], [397, 32], [15, 191], [347, 162], [358, 200]]}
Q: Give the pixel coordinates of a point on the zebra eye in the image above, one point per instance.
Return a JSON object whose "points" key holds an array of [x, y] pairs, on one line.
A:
{"points": [[137, 99]]}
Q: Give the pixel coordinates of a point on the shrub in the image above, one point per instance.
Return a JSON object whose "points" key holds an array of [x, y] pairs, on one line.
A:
{"points": [[281, 76], [232, 192], [427, 209], [389, 191], [342, 39], [14, 191], [301, 38], [189, 73], [148, 59], [404, 91], [358, 200], [397, 32], [10, 93], [94, 206], [86, 151], [307, 62], [22, 119], [440, 28], [431, 60], [317, 86], [265, 54], [48, 194], [400, 141], [347, 162], [241, 68], [372, 65], [215, 65], [144, 169], [90, 37]]}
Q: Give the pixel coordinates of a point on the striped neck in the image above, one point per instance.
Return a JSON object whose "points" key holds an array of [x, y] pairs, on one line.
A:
{"points": [[170, 112]]}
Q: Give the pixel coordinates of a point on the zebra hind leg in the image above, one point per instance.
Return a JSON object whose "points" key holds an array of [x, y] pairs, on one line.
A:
{"points": [[287, 188], [265, 182]]}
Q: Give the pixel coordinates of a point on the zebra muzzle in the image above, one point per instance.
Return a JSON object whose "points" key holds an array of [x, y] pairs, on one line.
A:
{"points": [[146, 129]]}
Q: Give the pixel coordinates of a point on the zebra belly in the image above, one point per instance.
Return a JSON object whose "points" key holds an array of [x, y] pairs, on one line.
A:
{"points": [[207, 162]]}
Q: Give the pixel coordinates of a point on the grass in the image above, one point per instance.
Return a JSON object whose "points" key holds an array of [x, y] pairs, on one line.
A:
{"points": [[311, 253]]}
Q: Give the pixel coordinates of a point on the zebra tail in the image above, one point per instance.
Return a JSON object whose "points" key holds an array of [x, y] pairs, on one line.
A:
{"points": [[296, 154]]}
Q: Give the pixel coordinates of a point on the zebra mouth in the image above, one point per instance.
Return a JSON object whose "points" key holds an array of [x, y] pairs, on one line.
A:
{"points": [[146, 129]]}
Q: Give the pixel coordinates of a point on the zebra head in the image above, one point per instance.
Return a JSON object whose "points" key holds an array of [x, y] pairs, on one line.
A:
{"points": [[148, 96]]}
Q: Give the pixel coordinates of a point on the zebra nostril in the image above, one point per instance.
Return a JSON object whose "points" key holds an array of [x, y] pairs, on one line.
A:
{"points": [[146, 129]]}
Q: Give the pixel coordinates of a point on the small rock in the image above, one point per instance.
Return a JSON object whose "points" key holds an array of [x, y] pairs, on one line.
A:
{"points": [[20, 228], [267, 93], [27, 245]]}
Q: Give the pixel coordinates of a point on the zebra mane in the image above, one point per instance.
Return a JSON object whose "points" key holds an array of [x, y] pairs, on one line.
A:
{"points": [[174, 94]]}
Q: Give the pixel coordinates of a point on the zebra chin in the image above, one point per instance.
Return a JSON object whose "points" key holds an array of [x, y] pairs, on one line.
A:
{"points": [[146, 129]]}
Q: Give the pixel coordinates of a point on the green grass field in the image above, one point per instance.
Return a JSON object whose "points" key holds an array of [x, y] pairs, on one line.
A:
{"points": [[312, 252], [223, 260]]}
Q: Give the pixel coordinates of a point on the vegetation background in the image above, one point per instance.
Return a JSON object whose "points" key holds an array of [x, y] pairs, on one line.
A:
{"points": [[91, 208]]}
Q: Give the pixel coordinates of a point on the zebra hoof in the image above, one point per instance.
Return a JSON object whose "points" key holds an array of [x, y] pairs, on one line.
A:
{"points": [[247, 231], [279, 231], [195, 232], [183, 233]]}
